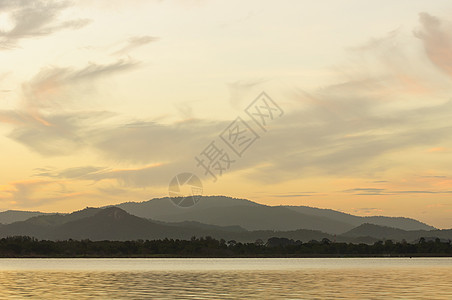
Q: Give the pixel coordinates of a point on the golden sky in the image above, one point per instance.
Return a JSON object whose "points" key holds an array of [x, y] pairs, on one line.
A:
{"points": [[103, 102]]}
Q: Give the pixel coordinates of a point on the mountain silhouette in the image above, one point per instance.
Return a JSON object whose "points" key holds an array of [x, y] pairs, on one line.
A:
{"points": [[217, 216], [114, 223], [10, 216], [226, 211], [395, 234], [395, 222]]}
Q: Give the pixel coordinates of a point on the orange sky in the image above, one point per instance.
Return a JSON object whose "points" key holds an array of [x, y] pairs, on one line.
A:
{"points": [[105, 102]]}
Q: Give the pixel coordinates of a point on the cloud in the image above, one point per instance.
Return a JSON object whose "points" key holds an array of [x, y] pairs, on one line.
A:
{"points": [[59, 134], [385, 103], [241, 89], [49, 88], [141, 177], [367, 210], [342, 129], [135, 42], [41, 123], [70, 173], [435, 176], [149, 142], [343, 136], [32, 193], [291, 195], [382, 192], [31, 19], [147, 176], [316, 140], [3, 76], [50, 80], [367, 191], [113, 191], [21, 190], [423, 192], [437, 40]]}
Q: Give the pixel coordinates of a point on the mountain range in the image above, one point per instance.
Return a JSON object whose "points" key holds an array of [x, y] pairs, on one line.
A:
{"points": [[216, 216], [226, 211]]}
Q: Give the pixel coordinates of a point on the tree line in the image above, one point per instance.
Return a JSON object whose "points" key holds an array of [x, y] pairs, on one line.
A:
{"points": [[24, 246]]}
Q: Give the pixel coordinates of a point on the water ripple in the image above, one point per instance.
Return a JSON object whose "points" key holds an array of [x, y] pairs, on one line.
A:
{"points": [[310, 283]]}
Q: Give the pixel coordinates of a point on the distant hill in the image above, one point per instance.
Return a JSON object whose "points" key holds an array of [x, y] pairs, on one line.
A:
{"points": [[396, 222], [42, 226], [219, 213], [226, 211], [198, 225], [113, 223], [160, 208], [395, 234], [10, 216]]}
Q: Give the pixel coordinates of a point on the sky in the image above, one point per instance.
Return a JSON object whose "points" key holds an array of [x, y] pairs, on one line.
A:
{"points": [[104, 102]]}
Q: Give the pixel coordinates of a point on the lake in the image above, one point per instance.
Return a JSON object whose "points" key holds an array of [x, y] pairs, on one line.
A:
{"points": [[224, 278]]}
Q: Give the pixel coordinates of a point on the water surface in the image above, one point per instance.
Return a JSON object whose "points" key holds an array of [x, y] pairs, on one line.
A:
{"points": [[267, 278]]}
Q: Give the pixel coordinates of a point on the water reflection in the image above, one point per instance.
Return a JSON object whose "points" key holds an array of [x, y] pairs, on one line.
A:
{"points": [[428, 282]]}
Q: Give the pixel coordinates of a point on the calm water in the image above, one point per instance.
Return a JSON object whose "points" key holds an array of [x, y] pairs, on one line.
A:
{"points": [[269, 278]]}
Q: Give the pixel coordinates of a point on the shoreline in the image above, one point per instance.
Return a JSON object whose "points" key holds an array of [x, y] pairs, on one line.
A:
{"points": [[416, 255]]}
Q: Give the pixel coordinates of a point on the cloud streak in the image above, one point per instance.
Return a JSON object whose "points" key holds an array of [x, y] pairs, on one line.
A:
{"points": [[31, 193], [437, 40], [134, 43], [384, 192], [341, 129], [30, 19], [41, 123]]}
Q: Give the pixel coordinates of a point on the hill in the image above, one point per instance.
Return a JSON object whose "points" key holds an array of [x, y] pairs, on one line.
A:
{"points": [[395, 234], [11, 216], [396, 222], [219, 214], [226, 211], [113, 223]]}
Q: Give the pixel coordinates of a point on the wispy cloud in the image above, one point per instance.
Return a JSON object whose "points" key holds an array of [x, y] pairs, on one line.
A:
{"points": [[42, 124], [30, 193], [135, 42], [70, 173], [291, 195], [140, 177], [149, 142], [437, 39], [366, 191], [30, 19], [344, 127], [3, 76], [384, 192], [240, 90], [367, 210], [338, 129]]}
